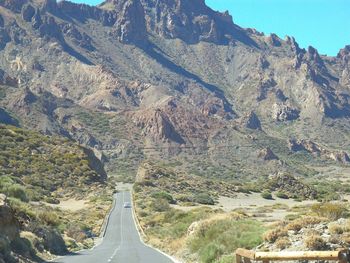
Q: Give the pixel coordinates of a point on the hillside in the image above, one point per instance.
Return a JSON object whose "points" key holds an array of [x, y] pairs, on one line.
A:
{"points": [[37, 173], [173, 80]]}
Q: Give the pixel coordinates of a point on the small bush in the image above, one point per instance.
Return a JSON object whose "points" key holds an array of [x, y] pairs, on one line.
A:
{"points": [[282, 195], [17, 191], [283, 243], [274, 234], [165, 196], [336, 229], [160, 205], [210, 253], [49, 217], [315, 242], [332, 211], [266, 195], [204, 199], [302, 222]]}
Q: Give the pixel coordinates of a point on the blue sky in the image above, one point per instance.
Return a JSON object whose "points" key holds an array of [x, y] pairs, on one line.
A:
{"points": [[323, 24]]}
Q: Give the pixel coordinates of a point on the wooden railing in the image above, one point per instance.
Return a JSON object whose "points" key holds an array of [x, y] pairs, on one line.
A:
{"points": [[247, 256]]}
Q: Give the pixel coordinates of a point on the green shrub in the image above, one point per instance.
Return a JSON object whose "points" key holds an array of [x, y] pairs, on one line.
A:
{"points": [[49, 217], [274, 234], [203, 198], [224, 236], [17, 191], [282, 195], [165, 196], [210, 253], [160, 205], [266, 195], [332, 211]]}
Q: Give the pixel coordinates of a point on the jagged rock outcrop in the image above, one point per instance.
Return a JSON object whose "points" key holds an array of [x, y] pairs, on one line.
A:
{"points": [[50, 29], [81, 39], [115, 65], [82, 12], [284, 112], [50, 6], [6, 118], [274, 40], [191, 21], [13, 5], [315, 149], [131, 24], [157, 125], [28, 11], [251, 121], [267, 155], [291, 186], [95, 164]]}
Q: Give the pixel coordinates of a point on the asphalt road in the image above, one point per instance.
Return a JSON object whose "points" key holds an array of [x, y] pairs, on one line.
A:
{"points": [[121, 242]]}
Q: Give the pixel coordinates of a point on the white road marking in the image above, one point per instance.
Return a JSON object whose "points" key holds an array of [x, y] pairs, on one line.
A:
{"points": [[121, 233]]}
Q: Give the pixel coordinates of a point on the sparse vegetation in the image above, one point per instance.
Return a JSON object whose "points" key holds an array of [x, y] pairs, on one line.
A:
{"points": [[266, 195], [33, 186], [209, 234], [275, 234], [332, 211], [315, 242], [282, 195], [222, 237]]}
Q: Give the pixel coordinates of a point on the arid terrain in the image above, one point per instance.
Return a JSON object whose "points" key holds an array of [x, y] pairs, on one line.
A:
{"points": [[215, 126]]}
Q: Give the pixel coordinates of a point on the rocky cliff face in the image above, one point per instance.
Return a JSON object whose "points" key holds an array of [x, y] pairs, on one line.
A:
{"points": [[175, 74]]}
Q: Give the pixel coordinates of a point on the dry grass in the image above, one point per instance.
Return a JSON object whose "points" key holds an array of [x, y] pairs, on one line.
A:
{"points": [[303, 222], [275, 234], [283, 243], [315, 242], [335, 228]]}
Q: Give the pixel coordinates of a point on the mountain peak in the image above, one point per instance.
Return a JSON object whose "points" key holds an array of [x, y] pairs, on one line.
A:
{"points": [[189, 20], [131, 25]]}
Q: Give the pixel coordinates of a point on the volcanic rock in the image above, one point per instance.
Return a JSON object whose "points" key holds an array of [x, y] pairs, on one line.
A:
{"points": [[251, 121], [284, 112], [131, 25], [28, 11], [267, 155]]}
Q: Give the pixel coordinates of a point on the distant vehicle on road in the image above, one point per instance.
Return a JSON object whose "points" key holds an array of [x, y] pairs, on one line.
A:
{"points": [[127, 205]]}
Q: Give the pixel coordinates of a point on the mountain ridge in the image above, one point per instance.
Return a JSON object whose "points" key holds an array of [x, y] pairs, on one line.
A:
{"points": [[178, 76]]}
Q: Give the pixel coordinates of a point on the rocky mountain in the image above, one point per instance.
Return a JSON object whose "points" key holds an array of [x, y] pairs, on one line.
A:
{"points": [[172, 80]]}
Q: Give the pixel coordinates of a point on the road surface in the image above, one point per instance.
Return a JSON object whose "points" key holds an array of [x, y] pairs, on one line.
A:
{"points": [[121, 243]]}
